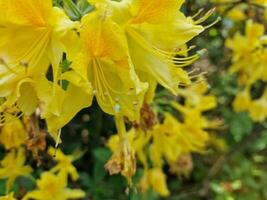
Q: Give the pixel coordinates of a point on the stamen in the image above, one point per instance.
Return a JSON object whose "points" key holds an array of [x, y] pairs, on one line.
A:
{"points": [[213, 23], [168, 57], [205, 17], [198, 13], [198, 75], [194, 70]]}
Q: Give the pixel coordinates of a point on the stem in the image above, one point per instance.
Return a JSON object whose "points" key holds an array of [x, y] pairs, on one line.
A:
{"points": [[120, 125]]}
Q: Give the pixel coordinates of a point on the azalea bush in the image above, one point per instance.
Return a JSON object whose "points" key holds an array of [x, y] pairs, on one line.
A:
{"points": [[133, 99]]}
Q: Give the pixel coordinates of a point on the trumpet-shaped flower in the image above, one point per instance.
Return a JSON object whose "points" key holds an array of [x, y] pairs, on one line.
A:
{"points": [[45, 34], [104, 60], [156, 31], [42, 40]]}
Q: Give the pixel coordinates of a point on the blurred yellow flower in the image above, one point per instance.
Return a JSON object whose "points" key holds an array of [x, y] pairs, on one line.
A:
{"points": [[236, 14], [258, 108], [13, 134], [246, 50], [242, 101], [156, 179], [249, 62], [64, 163], [196, 97], [53, 187], [13, 166]]}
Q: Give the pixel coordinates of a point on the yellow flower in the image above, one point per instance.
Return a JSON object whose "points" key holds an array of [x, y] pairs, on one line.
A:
{"points": [[258, 108], [155, 31], [242, 101], [8, 197], [173, 138], [242, 46], [42, 40], [156, 179], [45, 34], [13, 134], [260, 2], [246, 49], [196, 97], [64, 165], [12, 166], [236, 14], [53, 187], [104, 60]]}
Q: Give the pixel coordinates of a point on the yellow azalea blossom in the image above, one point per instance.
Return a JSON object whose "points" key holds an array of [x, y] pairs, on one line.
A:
{"points": [[56, 110], [246, 49], [64, 163], [8, 197], [53, 187], [156, 179], [59, 110], [104, 60], [43, 30], [45, 33], [155, 31], [13, 166], [13, 134]]}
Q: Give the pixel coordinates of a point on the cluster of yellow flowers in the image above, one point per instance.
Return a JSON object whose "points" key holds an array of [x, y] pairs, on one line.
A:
{"points": [[52, 184], [249, 62], [118, 53], [238, 10], [170, 140]]}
